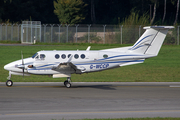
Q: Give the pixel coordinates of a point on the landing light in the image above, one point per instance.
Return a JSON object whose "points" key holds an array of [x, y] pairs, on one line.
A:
{"points": [[30, 66]]}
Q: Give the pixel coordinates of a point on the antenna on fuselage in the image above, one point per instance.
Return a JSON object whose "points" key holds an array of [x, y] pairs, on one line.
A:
{"points": [[88, 48]]}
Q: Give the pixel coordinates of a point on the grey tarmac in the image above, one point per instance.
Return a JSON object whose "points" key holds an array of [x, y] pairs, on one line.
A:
{"points": [[51, 100]]}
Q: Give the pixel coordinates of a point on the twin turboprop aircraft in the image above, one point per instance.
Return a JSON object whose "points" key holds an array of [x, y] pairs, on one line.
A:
{"points": [[64, 63]]}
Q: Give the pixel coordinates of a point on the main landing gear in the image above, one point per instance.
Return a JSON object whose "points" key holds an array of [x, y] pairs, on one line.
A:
{"points": [[67, 82], [9, 82]]}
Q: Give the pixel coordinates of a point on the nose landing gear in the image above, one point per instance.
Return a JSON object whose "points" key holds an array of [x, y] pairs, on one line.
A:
{"points": [[9, 82]]}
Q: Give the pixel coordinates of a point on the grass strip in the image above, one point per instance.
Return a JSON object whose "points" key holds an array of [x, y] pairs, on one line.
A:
{"points": [[163, 68]]}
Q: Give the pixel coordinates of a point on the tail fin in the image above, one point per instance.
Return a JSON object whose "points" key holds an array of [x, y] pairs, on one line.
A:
{"points": [[151, 41]]}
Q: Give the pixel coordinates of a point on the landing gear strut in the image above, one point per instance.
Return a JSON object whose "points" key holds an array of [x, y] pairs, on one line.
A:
{"points": [[9, 82], [67, 82]]}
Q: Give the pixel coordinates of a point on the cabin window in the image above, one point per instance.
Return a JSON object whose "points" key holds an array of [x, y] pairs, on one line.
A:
{"points": [[76, 56], [83, 56], [63, 56], [57, 56], [69, 55], [105, 56]]}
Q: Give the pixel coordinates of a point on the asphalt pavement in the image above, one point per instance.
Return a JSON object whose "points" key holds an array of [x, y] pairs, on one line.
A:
{"points": [[51, 100]]}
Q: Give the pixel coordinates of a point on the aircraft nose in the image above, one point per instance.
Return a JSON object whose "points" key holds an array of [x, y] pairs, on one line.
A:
{"points": [[12, 67], [6, 67], [9, 66]]}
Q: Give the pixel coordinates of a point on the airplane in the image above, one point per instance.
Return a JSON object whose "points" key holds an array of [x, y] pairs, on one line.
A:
{"points": [[64, 63]]}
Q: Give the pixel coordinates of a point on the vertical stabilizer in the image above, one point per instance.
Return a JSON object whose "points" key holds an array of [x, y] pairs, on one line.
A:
{"points": [[151, 41]]}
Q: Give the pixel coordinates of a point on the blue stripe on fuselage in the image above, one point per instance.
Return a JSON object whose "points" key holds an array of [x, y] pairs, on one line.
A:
{"points": [[139, 42]]}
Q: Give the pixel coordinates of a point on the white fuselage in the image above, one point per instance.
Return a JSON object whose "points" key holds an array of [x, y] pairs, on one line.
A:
{"points": [[87, 61]]}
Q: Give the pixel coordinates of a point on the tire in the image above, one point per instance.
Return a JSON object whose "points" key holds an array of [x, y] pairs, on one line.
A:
{"points": [[68, 85], [9, 83], [65, 82]]}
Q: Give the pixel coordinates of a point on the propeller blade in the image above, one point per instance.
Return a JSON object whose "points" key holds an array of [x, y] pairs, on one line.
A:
{"points": [[22, 63], [23, 72]]}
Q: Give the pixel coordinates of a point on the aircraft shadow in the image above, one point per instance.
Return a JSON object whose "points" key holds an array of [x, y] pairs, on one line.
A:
{"points": [[103, 87]]}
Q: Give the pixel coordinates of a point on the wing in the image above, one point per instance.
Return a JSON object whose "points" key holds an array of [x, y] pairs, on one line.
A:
{"points": [[68, 67]]}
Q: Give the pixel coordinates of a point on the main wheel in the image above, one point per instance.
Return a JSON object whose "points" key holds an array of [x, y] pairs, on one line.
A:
{"points": [[9, 83], [67, 84]]}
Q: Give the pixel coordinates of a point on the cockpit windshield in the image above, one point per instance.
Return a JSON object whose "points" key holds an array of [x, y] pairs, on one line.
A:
{"points": [[34, 55], [40, 57]]}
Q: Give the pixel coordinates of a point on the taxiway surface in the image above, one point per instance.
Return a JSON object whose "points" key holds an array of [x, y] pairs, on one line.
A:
{"points": [[47, 101]]}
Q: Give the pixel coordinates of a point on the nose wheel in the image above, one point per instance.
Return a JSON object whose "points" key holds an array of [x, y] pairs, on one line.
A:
{"points": [[9, 83], [67, 82]]}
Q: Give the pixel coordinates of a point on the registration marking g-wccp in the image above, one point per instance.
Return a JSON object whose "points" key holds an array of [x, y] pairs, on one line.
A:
{"points": [[99, 66]]}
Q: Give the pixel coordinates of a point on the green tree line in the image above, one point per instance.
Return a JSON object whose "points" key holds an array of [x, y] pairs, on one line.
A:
{"points": [[154, 12]]}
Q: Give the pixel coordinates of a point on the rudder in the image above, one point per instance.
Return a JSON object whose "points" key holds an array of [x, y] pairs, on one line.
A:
{"points": [[151, 41]]}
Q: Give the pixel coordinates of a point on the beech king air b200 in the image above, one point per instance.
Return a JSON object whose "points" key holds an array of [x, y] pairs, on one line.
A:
{"points": [[64, 63]]}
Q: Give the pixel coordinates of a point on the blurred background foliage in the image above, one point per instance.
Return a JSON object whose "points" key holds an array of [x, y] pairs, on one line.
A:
{"points": [[126, 12]]}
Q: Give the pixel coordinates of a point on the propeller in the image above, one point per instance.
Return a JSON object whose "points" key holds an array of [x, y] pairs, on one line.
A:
{"points": [[22, 63]]}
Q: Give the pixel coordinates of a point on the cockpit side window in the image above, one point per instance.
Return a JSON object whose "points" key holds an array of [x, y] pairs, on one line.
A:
{"points": [[42, 56], [37, 57]]}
